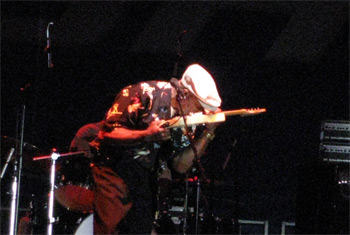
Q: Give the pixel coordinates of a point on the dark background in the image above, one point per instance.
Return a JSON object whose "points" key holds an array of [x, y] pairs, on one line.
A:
{"points": [[291, 58]]}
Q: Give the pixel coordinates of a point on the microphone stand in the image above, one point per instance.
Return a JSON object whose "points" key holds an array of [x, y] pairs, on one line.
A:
{"points": [[198, 168], [200, 174], [17, 171], [17, 167], [179, 53], [196, 161]]}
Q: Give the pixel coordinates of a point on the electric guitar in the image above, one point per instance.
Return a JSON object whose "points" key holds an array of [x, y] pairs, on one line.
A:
{"points": [[200, 118]]}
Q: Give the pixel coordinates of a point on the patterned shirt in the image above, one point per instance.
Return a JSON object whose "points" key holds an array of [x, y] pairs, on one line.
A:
{"points": [[135, 107]]}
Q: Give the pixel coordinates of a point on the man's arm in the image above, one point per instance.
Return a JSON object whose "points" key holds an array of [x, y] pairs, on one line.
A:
{"points": [[183, 162], [82, 138], [124, 136]]}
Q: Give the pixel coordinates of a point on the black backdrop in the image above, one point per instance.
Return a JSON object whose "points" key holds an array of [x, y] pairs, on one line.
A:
{"points": [[273, 149]]}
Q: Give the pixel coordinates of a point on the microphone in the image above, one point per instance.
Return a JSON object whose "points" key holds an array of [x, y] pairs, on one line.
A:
{"points": [[176, 84], [9, 157], [48, 44]]}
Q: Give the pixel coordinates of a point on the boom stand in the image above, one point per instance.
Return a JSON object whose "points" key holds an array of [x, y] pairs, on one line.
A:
{"points": [[17, 172]]}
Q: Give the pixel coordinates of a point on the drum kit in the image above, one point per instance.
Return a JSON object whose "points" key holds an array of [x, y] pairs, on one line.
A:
{"points": [[67, 207], [174, 218]]}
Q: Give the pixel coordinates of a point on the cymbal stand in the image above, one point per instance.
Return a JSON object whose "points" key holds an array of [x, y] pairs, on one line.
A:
{"points": [[54, 156]]}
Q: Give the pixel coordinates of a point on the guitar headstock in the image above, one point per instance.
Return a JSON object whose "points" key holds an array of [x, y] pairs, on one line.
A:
{"points": [[253, 111]]}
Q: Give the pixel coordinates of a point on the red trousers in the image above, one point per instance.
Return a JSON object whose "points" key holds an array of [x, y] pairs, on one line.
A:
{"points": [[111, 202]]}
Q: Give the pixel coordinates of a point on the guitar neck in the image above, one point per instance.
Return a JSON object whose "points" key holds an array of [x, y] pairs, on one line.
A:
{"points": [[195, 119], [243, 112], [199, 118]]}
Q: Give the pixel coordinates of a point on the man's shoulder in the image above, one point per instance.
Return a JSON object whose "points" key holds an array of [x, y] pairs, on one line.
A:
{"points": [[148, 85], [148, 88], [153, 83]]}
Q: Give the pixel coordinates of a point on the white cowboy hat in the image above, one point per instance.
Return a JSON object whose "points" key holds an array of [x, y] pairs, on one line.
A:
{"points": [[199, 82]]}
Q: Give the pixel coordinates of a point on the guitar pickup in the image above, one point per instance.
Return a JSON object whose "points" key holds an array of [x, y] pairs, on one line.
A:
{"points": [[165, 125]]}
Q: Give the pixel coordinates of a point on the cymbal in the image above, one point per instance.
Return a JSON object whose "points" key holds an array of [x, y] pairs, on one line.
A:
{"points": [[29, 151], [6, 140], [12, 143]]}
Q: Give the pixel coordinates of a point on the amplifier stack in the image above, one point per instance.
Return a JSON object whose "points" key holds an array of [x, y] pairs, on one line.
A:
{"points": [[335, 141], [335, 150]]}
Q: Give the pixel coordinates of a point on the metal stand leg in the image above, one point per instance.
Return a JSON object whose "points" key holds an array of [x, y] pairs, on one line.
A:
{"points": [[13, 206], [14, 192], [197, 204], [54, 157], [185, 212]]}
